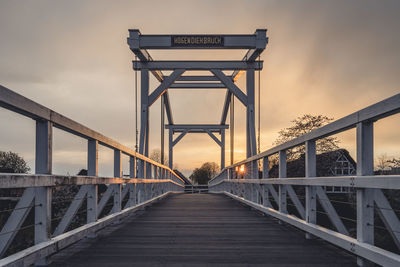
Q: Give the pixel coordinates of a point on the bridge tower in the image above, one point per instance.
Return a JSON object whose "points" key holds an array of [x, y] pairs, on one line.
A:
{"points": [[253, 43]]}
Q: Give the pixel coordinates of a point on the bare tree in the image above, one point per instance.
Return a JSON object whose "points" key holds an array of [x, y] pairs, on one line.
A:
{"points": [[394, 163], [383, 163], [156, 156], [302, 125]]}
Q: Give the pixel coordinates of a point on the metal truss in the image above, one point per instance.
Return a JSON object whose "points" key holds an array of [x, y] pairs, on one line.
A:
{"points": [[209, 129], [253, 43]]}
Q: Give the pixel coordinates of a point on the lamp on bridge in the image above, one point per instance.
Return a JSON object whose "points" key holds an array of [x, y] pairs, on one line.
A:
{"points": [[241, 170]]}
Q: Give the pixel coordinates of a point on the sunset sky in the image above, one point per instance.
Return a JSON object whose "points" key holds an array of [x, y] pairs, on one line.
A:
{"points": [[323, 57]]}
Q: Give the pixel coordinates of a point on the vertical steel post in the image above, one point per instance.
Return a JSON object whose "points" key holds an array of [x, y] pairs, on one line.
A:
{"points": [[144, 115], [311, 192], [171, 147], [43, 165], [250, 118], [92, 189], [222, 149], [365, 196], [162, 129], [232, 127]]}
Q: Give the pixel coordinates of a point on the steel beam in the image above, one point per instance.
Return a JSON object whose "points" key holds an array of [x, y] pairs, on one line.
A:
{"points": [[144, 117], [253, 54], [170, 146], [213, 137], [250, 119], [232, 125], [165, 84], [176, 127], [191, 78], [197, 86], [222, 149], [197, 65], [167, 105], [231, 86], [179, 137], [230, 41], [227, 102]]}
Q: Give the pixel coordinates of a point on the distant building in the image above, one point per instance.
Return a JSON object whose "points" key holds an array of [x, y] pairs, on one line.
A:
{"points": [[333, 163]]}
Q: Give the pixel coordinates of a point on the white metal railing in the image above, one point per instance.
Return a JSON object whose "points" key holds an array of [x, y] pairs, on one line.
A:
{"points": [[148, 182], [260, 193], [190, 188]]}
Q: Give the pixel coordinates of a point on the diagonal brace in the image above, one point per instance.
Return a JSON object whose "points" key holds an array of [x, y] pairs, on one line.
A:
{"points": [[227, 103], [71, 211], [230, 85], [296, 201], [213, 137], [330, 210], [180, 137], [168, 81], [388, 216], [16, 219]]}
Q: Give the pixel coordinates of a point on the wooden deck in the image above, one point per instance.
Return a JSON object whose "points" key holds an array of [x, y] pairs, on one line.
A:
{"points": [[202, 230]]}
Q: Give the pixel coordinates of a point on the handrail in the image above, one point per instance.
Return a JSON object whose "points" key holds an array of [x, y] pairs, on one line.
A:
{"points": [[20, 180], [148, 181], [271, 195], [29, 108], [373, 112]]}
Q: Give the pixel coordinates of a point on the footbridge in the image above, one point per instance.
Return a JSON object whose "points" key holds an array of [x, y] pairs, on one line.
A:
{"points": [[243, 218]]}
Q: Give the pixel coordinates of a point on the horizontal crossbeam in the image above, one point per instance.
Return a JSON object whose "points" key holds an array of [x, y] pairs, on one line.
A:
{"points": [[198, 65], [197, 128], [376, 181], [229, 41], [190, 78], [197, 86]]}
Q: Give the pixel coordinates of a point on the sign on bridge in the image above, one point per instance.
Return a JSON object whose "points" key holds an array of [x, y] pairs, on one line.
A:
{"points": [[197, 40]]}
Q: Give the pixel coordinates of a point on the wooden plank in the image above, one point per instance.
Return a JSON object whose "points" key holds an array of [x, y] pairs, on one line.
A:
{"points": [[203, 230]]}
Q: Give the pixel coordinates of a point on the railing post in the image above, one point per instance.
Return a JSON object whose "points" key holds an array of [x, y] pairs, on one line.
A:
{"points": [[222, 149], [365, 196], [282, 188], [265, 174], [43, 165], [92, 189], [148, 170], [117, 187], [311, 192], [140, 170], [132, 167]]}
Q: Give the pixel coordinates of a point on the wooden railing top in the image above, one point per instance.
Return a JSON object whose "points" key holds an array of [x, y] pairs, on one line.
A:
{"points": [[374, 112], [29, 108]]}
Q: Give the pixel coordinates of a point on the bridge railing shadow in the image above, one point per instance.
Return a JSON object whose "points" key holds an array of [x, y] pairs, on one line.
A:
{"points": [[148, 181], [242, 181]]}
